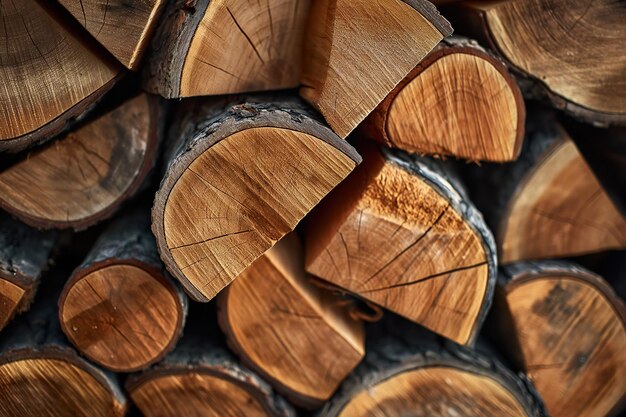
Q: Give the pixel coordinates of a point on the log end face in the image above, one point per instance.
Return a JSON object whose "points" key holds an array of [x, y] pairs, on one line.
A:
{"points": [[11, 296]]}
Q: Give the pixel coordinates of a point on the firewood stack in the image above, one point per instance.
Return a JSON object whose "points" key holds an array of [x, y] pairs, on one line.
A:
{"points": [[329, 208]]}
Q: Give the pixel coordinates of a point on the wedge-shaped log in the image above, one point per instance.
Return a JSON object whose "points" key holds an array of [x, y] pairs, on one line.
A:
{"points": [[566, 329], [548, 203], [397, 232], [241, 173], [40, 375], [83, 178], [24, 255], [123, 27], [459, 101], [358, 50], [201, 378], [554, 44], [50, 75], [288, 329], [423, 377], [119, 308], [205, 47]]}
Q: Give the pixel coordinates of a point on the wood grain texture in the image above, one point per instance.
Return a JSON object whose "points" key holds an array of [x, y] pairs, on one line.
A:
{"points": [[49, 75], [556, 43], [357, 51], [207, 47], [255, 164], [123, 27], [459, 101], [84, 177], [288, 329], [397, 231], [119, 308]]}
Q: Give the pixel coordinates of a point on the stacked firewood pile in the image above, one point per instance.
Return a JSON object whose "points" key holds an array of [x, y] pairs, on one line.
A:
{"points": [[312, 207]]}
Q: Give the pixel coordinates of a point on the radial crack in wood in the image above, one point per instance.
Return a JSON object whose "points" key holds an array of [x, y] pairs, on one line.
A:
{"points": [[288, 329], [83, 178], [241, 174], [398, 233]]}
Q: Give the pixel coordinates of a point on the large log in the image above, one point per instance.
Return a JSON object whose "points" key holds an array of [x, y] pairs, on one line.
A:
{"points": [[553, 45], [50, 75], [357, 51], [83, 178], [123, 27], [566, 329], [417, 375], [201, 378], [119, 308], [241, 173], [288, 329], [205, 47], [401, 232], [459, 101], [40, 375], [548, 203], [24, 255]]}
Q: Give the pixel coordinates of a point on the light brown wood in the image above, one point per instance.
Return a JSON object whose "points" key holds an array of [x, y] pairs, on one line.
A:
{"points": [[288, 329], [51, 387], [49, 75], [459, 101], [11, 296], [83, 177], [436, 391], [358, 50], [571, 333], [121, 316], [123, 27], [560, 209], [394, 238]]}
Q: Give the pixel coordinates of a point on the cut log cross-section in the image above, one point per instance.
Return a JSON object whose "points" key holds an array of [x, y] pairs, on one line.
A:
{"points": [[356, 51], [193, 50], [570, 333], [24, 254], [288, 329], [398, 233], [49, 75], [555, 43], [83, 178], [241, 175], [459, 101], [119, 308], [123, 27]]}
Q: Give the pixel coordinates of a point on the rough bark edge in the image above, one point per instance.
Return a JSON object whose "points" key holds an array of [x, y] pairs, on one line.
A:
{"points": [[388, 357], [443, 181], [62, 123], [155, 132], [430, 12], [216, 120], [375, 126], [170, 45]]}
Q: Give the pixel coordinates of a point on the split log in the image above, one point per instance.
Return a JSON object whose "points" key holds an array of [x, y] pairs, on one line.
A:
{"points": [[206, 47], [567, 330], [123, 27], [357, 51], [50, 75], [82, 178], [24, 255], [400, 229], [553, 44], [119, 308], [423, 377], [288, 329], [459, 101], [547, 204], [201, 378], [40, 375], [242, 173]]}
